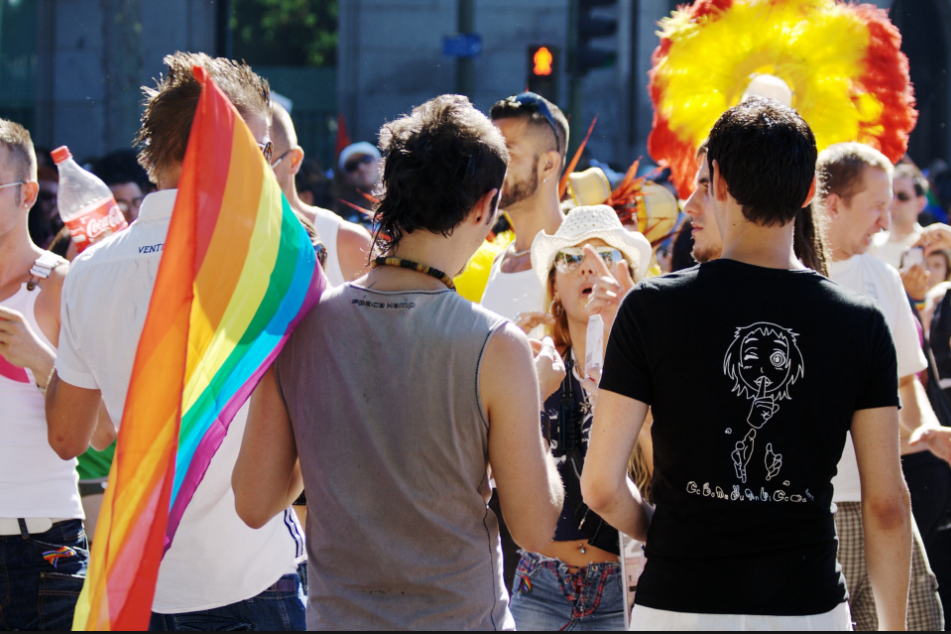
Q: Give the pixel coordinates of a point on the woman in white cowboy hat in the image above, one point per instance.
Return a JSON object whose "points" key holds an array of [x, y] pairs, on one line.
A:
{"points": [[586, 268]]}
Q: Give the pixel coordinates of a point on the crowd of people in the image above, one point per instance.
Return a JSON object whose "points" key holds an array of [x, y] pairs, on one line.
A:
{"points": [[771, 422]]}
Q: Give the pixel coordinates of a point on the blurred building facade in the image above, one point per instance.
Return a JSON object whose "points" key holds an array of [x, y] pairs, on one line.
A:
{"points": [[71, 70], [390, 59]]}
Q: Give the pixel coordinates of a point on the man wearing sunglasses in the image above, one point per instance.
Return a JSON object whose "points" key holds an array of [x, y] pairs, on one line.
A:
{"points": [[347, 243], [909, 199], [358, 175], [536, 134]]}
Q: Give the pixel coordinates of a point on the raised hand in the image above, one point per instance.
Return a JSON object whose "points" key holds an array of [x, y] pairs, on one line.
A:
{"points": [[610, 289], [21, 347], [764, 407], [549, 365]]}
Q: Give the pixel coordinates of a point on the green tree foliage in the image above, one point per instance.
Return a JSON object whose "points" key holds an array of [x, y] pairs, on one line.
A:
{"points": [[285, 32]]}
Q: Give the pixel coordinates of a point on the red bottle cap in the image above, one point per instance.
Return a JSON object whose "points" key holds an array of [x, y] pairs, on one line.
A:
{"points": [[60, 154]]}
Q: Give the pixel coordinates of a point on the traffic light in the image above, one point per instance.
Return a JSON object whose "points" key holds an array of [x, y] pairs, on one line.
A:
{"points": [[591, 27], [543, 67]]}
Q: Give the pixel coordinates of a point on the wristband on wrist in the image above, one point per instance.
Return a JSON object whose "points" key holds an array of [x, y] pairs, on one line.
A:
{"points": [[49, 380]]}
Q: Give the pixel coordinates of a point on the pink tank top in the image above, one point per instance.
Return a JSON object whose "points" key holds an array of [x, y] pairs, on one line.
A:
{"points": [[34, 481]]}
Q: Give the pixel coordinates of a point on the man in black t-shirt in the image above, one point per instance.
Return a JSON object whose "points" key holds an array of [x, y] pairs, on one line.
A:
{"points": [[755, 368]]}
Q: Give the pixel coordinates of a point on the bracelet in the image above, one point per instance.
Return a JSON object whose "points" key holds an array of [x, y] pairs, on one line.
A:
{"points": [[49, 380]]}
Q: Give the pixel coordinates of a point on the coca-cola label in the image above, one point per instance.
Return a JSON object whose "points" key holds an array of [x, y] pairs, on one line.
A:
{"points": [[96, 223]]}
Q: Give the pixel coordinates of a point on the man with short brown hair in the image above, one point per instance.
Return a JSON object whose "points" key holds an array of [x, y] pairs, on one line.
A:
{"points": [[217, 573], [854, 190]]}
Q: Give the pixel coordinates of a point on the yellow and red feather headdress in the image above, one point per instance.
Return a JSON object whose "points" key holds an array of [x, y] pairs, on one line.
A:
{"points": [[842, 64]]}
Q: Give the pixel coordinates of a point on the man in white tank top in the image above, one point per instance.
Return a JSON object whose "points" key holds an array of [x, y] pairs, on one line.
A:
{"points": [[536, 134], [347, 244], [43, 548]]}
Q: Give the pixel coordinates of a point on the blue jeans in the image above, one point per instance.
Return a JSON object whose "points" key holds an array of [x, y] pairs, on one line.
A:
{"points": [[549, 595], [280, 608], [41, 576]]}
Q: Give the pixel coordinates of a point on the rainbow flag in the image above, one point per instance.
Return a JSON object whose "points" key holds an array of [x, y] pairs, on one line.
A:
{"points": [[237, 274]]}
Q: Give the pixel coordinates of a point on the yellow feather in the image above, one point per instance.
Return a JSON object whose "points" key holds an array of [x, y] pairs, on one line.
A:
{"points": [[815, 46]]}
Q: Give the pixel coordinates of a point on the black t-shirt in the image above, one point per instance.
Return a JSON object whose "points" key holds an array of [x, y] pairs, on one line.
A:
{"points": [[753, 376]]}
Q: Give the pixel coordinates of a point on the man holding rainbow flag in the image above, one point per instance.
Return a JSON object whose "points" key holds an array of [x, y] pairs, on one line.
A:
{"points": [[232, 272]]}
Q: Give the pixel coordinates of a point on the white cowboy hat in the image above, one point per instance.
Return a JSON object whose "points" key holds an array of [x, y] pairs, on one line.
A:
{"points": [[588, 223]]}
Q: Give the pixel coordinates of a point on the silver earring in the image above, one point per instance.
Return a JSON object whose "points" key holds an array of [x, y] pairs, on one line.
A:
{"points": [[545, 180]]}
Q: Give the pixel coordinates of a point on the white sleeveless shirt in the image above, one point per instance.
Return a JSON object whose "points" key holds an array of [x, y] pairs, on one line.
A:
{"points": [[327, 224], [34, 481]]}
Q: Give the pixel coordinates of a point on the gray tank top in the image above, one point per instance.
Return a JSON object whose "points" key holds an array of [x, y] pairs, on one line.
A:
{"points": [[383, 393]]}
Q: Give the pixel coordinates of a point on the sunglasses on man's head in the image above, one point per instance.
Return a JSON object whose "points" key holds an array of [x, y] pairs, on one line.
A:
{"points": [[351, 166], [533, 102], [569, 258]]}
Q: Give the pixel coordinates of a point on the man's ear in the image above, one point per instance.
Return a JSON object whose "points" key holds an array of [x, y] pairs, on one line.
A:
{"points": [[296, 157], [486, 208], [549, 165], [812, 193], [31, 189], [832, 205], [717, 182]]}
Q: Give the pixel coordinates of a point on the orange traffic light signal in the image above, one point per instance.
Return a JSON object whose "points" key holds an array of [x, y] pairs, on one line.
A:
{"points": [[543, 71], [542, 62]]}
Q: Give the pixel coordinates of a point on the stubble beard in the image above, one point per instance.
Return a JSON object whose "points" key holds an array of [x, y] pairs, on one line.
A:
{"points": [[702, 255], [516, 192]]}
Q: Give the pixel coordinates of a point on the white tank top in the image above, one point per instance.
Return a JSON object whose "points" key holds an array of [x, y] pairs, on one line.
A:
{"points": [[327, 224], [34, 481], [509, 294]]}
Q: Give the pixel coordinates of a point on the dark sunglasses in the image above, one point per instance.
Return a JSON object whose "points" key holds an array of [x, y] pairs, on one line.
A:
{"points": [[267, 149], [534, 103], [902, 197], [351, 166], [46, 196]]}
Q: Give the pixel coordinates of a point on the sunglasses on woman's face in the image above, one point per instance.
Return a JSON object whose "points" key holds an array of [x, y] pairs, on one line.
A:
{"points": [[569, 258]]}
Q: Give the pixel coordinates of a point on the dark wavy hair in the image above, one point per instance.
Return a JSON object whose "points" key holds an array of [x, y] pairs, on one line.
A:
{"points": [[437, 162], [767, 156]]}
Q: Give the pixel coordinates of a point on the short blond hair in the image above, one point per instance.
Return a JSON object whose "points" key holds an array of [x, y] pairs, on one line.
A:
{"points": [[170, 106], [839, 169], [19, 144]]}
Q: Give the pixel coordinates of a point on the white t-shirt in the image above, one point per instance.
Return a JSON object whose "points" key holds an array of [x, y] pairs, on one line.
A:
{"points": [[889, 251], [215, 560], [873, 278], [508, 294]]}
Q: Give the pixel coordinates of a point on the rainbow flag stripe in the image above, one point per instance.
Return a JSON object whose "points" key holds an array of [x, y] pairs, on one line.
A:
{"points": [[238, 273]]}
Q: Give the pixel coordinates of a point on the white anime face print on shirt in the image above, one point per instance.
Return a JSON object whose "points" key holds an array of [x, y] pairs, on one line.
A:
{"points": [[765, 362]]}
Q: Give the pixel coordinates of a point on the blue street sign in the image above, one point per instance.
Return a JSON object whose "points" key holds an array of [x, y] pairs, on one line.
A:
{"points": [[462, 45]]}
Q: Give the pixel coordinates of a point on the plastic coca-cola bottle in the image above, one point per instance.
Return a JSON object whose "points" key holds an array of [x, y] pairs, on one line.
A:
{"points": [[85, 203]]}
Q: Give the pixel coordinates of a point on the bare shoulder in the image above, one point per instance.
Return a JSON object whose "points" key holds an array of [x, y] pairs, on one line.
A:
{"points": [[507, 354], [352, 236]]}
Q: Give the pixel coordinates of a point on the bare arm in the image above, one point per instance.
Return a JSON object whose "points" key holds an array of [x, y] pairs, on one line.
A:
{"points": [[605, 485], [72, 415], [267, 477], [886, 512], [353, 248], [105, 431], [531, 492]]}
